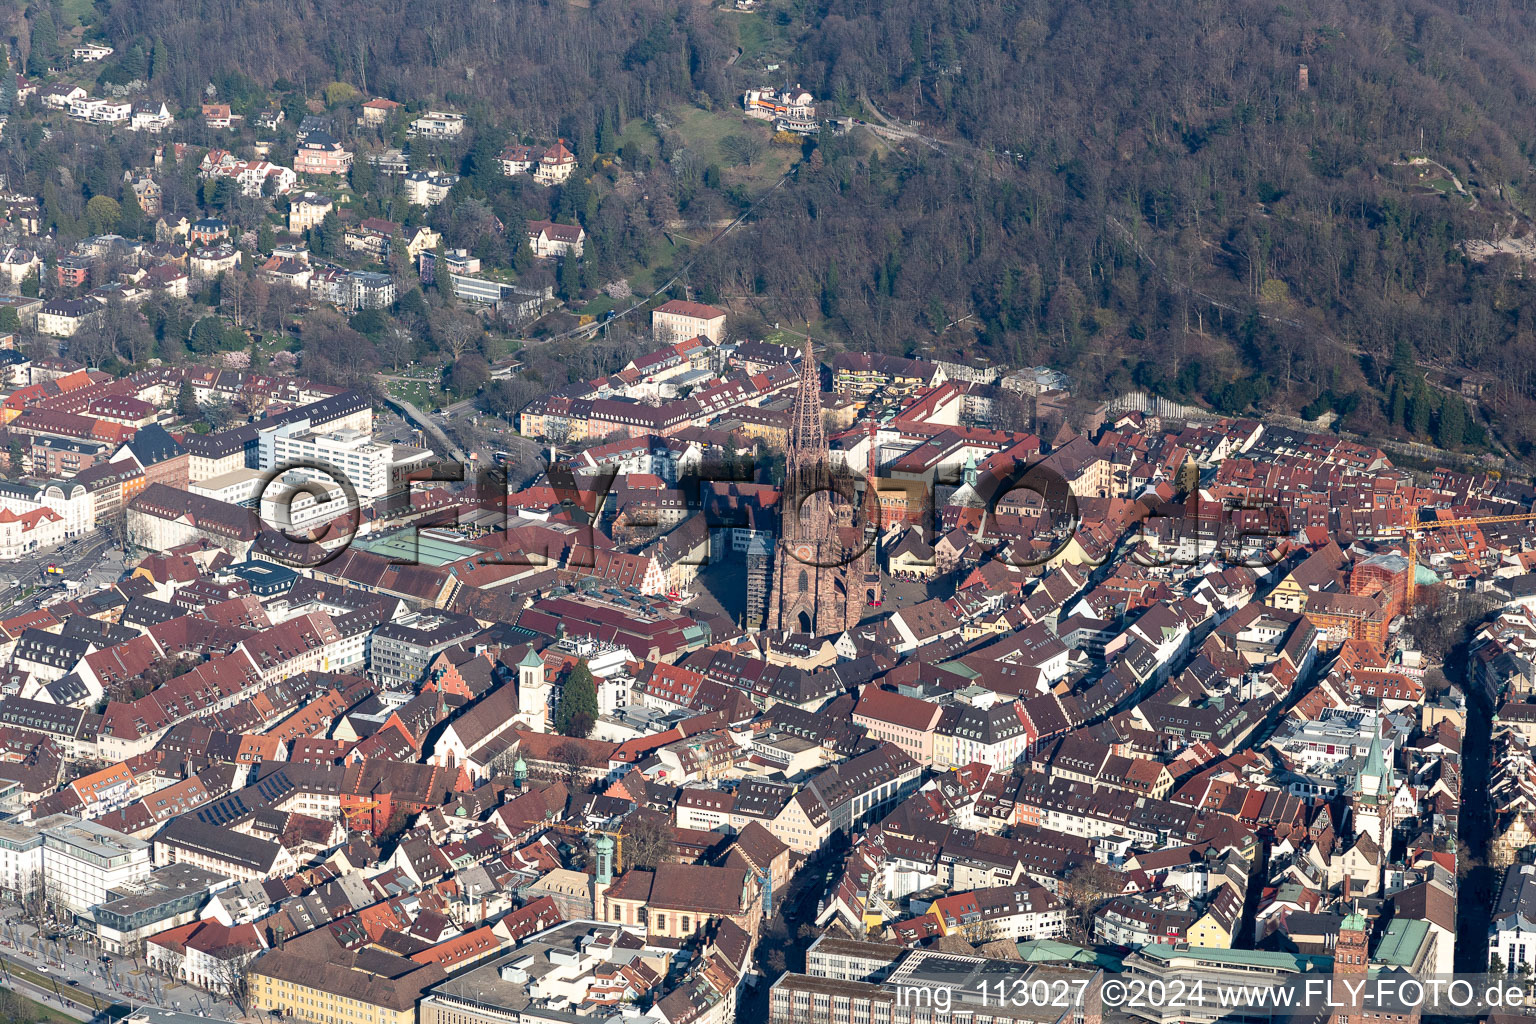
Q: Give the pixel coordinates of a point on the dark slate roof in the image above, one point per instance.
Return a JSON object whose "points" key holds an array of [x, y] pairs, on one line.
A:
{"points": [[153, 445]]}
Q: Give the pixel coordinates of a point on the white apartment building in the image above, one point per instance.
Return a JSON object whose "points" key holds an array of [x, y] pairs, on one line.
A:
{"points": [[83, 860], [23, 533], [289, 503], [1512, 928], [236, 487], [373, 469], [21, 858], [69, 501], [428, 188], [438, 124]]}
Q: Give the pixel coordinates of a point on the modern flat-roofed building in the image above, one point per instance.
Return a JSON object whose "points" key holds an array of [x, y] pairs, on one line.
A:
{"points": [[402, 650], [372, 468], [21, 857], [165, 898], [904, 992], [438, 124], [557, 967], [84, 861]]}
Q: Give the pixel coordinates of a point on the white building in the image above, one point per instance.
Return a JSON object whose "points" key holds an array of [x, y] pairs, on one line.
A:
{"points": [[1512, 928], [679, 320], [428, 188], [549, 240], [103, 111], [152, 119], [1326, 741], [21, 858], [83, 860], [235, 487], [792, 110], [438, 124], [373, 469], [61, 318], [25, 532], [291, 505]]}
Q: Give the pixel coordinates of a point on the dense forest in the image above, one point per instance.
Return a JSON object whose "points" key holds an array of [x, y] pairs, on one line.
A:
{"points": [[1143, 193]]}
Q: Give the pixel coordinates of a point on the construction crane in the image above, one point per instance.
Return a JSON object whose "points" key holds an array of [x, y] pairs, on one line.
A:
{"points": [[570, 829], [1414, 531], [350, 812]]}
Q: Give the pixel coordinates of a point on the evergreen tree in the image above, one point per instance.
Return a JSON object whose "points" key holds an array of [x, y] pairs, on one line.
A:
{"points": [[1451, 424], [568, 279], [605, 135], [578, 702], [483, 160], [829, 291], [362, 177], [1420, 409], [521, 253], [135, 65], [186, 401], [130, 220], [326, 238], [45, 42], [7, 82], [1398, 404]]}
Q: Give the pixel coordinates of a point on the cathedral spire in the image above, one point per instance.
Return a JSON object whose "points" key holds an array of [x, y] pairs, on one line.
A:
{"points": [[871, 510], [806, 465], [811, 586]]}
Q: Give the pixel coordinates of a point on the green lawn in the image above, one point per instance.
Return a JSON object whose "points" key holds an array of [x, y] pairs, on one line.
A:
{"points": [[639, 133], [77, 12], [424, 394], [755, 36], [702, 131], [34, 1012], [663, 259], [598, 307]]}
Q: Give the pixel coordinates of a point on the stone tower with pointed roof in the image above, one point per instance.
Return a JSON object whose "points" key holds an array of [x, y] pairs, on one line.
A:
{"points": [[1371, 801], [1373, 788], [814, 562], [533, 692]]}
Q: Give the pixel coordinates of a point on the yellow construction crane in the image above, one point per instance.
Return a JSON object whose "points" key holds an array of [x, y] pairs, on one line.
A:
{"points": [[571, 829], [352, 811], [1411, 592]]}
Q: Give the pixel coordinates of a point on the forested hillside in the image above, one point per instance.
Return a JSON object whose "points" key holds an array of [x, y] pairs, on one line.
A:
{"points": [[1104, 171]]}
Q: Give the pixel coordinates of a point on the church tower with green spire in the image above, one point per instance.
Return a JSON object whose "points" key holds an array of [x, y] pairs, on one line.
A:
{"points": [[1371, 799]]}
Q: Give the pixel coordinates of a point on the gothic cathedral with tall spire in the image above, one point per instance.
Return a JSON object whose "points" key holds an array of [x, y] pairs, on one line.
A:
{"points": [[824, 572]]}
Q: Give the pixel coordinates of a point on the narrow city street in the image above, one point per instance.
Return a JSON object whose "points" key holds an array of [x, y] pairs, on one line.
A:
{"points": [[1479, 887]]}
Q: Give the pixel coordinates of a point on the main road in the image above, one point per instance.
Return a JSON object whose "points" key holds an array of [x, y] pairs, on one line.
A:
{"points": [[89, 560], [428, 425]]}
